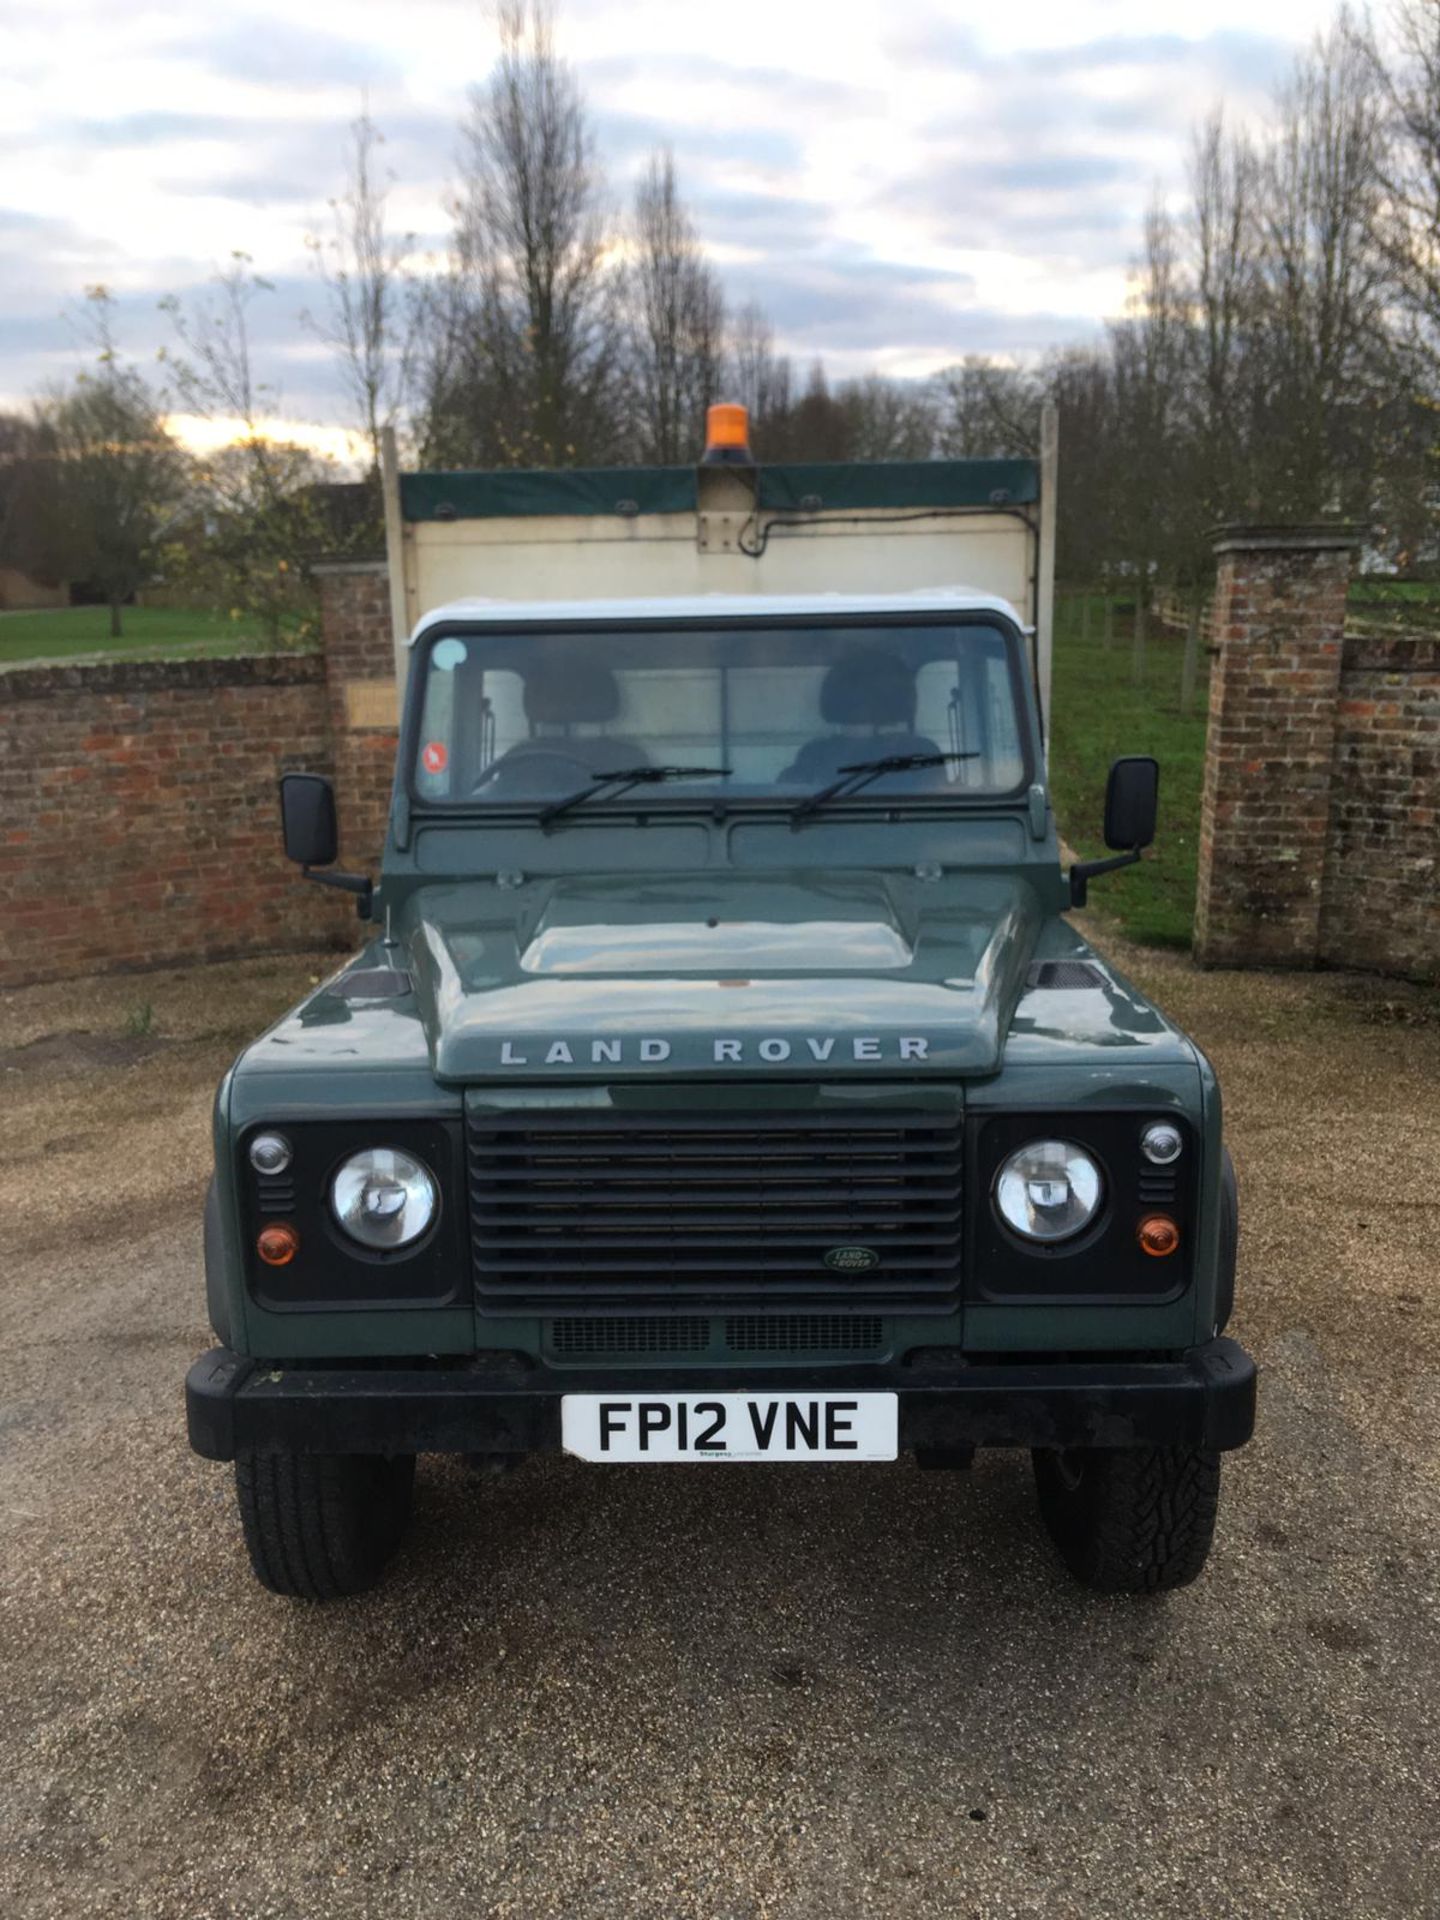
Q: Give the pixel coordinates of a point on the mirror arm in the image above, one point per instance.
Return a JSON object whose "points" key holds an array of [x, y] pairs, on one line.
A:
{"points": [[357, 883], [1084, 871]]}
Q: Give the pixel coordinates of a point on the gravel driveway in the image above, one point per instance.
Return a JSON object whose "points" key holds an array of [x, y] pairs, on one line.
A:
{"points": [[595, 1691]]}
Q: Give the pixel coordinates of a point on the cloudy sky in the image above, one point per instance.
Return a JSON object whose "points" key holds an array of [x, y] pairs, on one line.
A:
{"points": [[899, 182]]}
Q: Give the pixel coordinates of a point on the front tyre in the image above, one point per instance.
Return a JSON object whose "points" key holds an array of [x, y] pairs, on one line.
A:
{"points": [[1130, 1519], [319, 1526]]}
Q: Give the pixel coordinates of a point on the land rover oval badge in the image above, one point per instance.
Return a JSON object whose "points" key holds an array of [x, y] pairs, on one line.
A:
{"points": [[852, 1259]]}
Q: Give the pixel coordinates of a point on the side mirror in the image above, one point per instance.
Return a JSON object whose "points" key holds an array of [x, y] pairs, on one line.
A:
{"points": [[307, 812], [1131, 797]]}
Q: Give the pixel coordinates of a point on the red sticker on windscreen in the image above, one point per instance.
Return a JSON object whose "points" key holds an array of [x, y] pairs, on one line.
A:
{"points": [[435, 759]]}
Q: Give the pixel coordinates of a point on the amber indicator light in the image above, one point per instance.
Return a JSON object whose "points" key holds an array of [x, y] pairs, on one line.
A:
{"points": [[727, 425], [1158, 1235], [278, 1245]]}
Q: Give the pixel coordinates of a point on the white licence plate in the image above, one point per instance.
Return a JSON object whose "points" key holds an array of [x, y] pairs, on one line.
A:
{"points": [[729, 1426]]}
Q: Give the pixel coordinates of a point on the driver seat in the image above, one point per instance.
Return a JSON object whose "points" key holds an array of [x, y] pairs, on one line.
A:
{"points": [[563, 698], [870, 696]]}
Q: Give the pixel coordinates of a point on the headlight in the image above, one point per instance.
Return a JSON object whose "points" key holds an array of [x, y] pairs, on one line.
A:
{"points": [[384, 1198], [1048, 1190]]}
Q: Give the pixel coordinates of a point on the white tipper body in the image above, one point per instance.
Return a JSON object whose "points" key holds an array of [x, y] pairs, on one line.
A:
{"points": [[705, 562]]}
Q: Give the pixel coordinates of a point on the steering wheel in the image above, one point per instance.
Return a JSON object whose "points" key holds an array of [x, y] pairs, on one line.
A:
{"points": [[525, 754]]}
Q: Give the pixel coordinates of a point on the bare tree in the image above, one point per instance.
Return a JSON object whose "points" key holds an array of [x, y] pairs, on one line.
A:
{"points": [[444, 365], [113, 479], [1148, 356], [759, 378], [1224, 272], [1322, 278], [1088, 533], [677, 316], [1222, 281], [261, 495], [817, 426], [369, 317], [890, 419], [1404, 63], [1406, 74], [989, 410], [214, 369], [537, 374]]}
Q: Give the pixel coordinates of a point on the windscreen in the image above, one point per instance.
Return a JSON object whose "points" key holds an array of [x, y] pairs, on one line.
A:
{"points": [[509, 718]]}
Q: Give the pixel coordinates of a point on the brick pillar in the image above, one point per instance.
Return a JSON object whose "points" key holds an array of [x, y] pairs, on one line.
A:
{"points": [[1279, 623], [357, 636]]}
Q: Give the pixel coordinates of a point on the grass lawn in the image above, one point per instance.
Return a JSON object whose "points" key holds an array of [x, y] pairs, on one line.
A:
{"points": [[149, 632], [1097, 715], [1376, 591], [1379, 606]]}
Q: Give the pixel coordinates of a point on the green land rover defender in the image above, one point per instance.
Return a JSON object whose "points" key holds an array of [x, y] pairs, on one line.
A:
{"points": [[722, 1084]]}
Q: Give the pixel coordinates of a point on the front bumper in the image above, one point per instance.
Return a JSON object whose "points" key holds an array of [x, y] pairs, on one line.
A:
{"points": [[1205, 1398]]}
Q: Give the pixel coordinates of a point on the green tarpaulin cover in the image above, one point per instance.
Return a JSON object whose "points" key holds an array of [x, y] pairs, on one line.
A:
{"points": [[837, 487]]}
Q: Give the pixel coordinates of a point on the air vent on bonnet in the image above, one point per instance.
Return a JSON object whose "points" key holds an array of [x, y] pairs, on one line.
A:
{"points": [[1064, 973], [373, 983]]}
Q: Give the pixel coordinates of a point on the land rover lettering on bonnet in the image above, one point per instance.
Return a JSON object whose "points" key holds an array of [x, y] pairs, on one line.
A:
{"points": [[721, 1082], [770, 1050]]}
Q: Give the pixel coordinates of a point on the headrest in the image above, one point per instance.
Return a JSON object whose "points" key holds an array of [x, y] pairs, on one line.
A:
{"points": [[873, 688], [571, 690]]}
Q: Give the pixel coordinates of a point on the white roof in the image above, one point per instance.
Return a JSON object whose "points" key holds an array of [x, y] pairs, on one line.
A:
{"points": [[723, 606]]}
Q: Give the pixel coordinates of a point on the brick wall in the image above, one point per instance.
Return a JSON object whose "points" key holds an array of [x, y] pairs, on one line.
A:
{"points": [[1318, 823], [1380, 904], [140, 822]]}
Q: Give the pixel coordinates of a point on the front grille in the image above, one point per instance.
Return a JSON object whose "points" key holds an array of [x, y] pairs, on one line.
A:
{"points": [[715, 1211]]}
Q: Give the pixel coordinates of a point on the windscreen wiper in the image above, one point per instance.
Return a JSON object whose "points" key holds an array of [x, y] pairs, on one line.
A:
{"points": [[861, 772], [621, 780]]}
